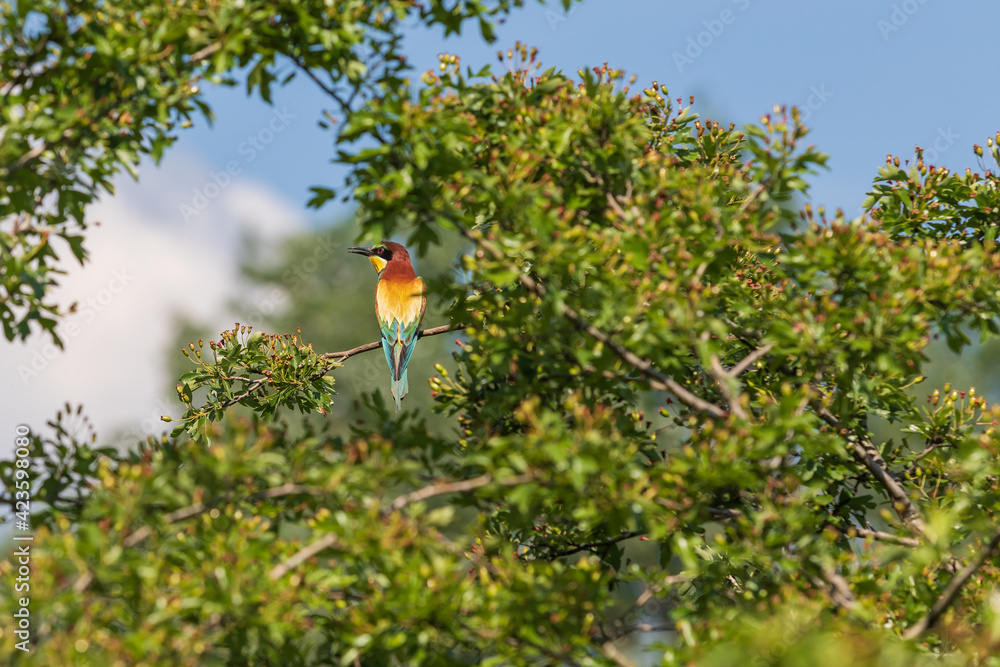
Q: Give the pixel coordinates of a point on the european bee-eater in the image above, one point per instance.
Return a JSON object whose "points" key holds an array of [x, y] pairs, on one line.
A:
{"points": [[399, 307]]}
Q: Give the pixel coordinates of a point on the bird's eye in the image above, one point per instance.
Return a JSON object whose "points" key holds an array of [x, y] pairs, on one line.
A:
{"points": [[381, 251]]}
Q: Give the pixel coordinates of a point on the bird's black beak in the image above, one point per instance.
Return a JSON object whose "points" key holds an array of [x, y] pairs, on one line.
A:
{"points": [[357, 250]]}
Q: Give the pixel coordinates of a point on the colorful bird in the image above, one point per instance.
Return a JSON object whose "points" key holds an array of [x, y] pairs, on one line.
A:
{"points": [[399, 307]]}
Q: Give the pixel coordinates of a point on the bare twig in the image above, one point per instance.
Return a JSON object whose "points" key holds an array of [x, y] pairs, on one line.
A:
{"points": [[651, 591], [621, 629], [934, 444], [173, 517], [954, 587], [655, 378], [838, 589], [616, 655], [345, 105], [205, 52], [750, 359], [341, 356], [867, 453], [81, 584], [442, 488], [884, 537], [302, 555], [750, 199], [289, 489], [30, 155]]}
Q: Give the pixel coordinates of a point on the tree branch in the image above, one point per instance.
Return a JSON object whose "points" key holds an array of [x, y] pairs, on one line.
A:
{"points": [[654, 378], [442, 488], [205, 52], [612, 652], [883, 536], [865, 451], [723, 379], [750, 359], [302, 555], [367, 347], [953, 589], [837, 588], [344, 104], [590, 546]]}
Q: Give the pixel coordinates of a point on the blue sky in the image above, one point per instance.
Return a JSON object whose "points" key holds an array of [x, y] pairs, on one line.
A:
{"points": [[876, 77]]}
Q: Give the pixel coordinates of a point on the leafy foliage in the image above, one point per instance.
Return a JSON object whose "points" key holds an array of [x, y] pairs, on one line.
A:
{"points": [[260, 371], [665, 409], [927, 201]]}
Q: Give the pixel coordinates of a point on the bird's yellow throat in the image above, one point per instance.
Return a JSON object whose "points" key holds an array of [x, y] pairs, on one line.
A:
{"points": [[377, 262]]}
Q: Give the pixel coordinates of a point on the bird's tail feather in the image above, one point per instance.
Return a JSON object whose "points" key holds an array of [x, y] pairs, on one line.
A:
{"points": [[399, 389]]}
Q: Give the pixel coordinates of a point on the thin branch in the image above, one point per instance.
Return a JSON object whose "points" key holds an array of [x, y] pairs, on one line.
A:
{"points": [[344, 104], [723, 379], [253, 386], [865, 451], [30, 155], [750, 359], [302, 555], [750, 199], [837, 588], [612, 651], [205, 52], [442, 488], [173, 517], [367, 347], [620, 629], [82, 583], [934, 444], [884, 537], [953, 589], [289, 489], [724, 513], [655, 379], [591, 546]]}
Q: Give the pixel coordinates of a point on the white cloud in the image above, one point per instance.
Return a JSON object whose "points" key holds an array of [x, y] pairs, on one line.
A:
{"points": [[147, 264]]}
